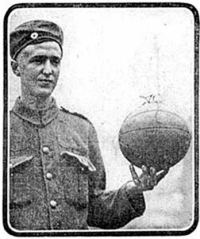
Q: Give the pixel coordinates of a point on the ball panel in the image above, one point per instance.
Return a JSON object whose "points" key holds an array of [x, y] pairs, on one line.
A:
{"points": [[157, 147], [153, 119]]}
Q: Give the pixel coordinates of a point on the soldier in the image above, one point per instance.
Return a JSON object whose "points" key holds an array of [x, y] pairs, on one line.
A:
{"points": [[57, 176]]}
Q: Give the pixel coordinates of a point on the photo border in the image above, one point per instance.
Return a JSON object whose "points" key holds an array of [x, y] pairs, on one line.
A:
{"points": [[127, 232]]}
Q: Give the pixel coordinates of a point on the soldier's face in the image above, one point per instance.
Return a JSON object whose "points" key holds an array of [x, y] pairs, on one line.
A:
{"points": [[39, 68]]}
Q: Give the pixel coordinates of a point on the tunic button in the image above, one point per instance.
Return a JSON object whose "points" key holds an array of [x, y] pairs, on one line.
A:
{"points": [[49, 176], [57, 225], [45, 150], [53, 203], [82, 169]]}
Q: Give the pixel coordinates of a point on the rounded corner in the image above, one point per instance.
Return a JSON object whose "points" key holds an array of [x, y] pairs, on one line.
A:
{"points": [[11, 9], [193, 226], [192, 10], [9, 229]]}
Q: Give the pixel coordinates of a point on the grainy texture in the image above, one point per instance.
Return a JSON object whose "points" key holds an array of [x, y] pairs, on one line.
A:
{"points": [[54, 185], [110, 59]]}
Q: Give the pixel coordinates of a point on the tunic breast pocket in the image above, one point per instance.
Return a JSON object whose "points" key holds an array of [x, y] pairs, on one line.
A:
{"points": [[75, 170], [20, 181]]}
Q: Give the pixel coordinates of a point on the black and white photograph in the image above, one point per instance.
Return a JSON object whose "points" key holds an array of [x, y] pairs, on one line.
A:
{"points": [[101, 119]]}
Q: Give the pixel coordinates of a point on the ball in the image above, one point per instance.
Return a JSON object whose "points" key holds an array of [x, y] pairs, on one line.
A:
{"points": [[154, 138]]}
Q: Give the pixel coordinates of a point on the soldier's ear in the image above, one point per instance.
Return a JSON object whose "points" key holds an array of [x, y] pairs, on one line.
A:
{"points": [[15, 68]]}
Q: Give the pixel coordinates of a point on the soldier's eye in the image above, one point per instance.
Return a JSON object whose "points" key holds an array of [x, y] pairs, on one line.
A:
{"points": [[55, 61], [38, 60]]}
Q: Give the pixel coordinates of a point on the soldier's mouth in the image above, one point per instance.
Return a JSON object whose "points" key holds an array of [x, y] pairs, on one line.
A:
{"points": [[45, 81]]}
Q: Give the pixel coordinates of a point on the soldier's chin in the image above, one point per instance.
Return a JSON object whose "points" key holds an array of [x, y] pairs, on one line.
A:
{"points": [[45, 93]]}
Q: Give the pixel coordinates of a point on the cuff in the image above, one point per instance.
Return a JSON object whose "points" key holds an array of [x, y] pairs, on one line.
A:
{"points": [[135, 198]]}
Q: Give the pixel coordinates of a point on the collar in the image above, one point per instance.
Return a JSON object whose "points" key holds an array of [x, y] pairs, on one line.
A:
{"points": [[35, 116]]}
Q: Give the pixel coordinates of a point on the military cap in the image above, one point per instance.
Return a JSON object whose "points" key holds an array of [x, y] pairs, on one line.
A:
{"points": [[34, 32]]}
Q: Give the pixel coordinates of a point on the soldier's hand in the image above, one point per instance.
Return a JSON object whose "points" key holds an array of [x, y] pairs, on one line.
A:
{"points": [[148, 179]]}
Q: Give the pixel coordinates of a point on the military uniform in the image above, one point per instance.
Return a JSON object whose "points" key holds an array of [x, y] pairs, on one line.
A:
{"points": [[57, 177]]}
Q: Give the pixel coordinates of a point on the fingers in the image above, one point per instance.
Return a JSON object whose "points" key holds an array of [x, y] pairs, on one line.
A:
{"points": [[152, 181], [148, 171], [144, 170], [149, 177], [135, 177], [160, 175], [152, 171], [153, 176]]}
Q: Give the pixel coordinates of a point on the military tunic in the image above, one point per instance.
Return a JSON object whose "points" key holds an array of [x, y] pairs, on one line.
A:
{"points": [[57, 176]]}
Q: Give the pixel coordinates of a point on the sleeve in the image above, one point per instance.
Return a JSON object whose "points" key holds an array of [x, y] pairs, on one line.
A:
{"points": [[113, 209]]}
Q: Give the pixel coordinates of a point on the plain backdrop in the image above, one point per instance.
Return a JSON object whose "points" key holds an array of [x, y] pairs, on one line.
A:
{"points": [[112, 57]]}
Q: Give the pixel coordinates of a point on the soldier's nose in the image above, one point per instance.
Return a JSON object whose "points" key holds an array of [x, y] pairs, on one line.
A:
{"points": [[47, 69]]}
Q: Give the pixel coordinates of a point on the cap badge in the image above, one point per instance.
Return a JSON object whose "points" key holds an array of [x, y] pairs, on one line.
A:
{"points": [[34, 35]]}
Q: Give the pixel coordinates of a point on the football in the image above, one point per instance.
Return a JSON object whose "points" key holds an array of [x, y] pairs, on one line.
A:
{"points": [[154, 138]]}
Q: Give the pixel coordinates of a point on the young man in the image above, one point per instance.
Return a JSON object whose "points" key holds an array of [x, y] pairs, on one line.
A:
{"points": [[57, 176]]}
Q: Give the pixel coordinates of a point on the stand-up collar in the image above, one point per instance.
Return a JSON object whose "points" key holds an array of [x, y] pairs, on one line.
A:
{"points": [[38, 117]]}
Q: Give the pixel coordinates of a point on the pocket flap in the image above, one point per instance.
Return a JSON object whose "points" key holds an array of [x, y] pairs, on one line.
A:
{"points": [[83, 160], [16, 161]]}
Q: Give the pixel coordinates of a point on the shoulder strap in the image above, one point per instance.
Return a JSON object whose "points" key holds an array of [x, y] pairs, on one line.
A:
{"points": [[75, 113]]}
